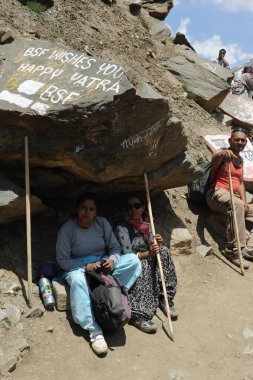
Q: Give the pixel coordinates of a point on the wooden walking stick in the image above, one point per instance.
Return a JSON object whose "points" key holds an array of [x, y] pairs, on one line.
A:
{"points": [[235, 219], [158, 256], [28, 223]]}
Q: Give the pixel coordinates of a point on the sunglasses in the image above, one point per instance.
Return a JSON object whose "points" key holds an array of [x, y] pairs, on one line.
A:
{"points": [[239, 129], [136, 206]]}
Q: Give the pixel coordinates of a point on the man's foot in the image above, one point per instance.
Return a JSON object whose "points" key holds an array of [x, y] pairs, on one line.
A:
{"points": [[173, 312], [144, 325], [98, 344], [247, 253], [232, 255]]}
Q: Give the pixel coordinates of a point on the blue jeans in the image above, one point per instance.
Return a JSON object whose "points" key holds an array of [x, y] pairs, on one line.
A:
{"points": [[127, 269]]}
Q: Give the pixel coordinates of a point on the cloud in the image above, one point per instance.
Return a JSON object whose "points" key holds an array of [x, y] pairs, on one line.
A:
{"points": [[184, 22], [209, 49], [230, 5]]}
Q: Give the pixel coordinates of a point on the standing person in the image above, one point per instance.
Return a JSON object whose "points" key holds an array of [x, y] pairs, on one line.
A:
{"points": [[221, 59], [81, 244], [218, 196], [134, 235]]}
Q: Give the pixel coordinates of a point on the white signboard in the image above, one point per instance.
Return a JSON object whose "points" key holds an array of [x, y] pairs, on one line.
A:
{"points": [[221, 141]]}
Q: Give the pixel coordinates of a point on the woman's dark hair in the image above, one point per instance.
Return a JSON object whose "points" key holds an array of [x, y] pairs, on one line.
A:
{"points": [[85, 196], [135, 195]]}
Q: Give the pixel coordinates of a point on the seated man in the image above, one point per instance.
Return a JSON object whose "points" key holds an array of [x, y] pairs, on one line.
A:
{"points": [[243, 84], [221, 59], [218, 196], [81, 244]]}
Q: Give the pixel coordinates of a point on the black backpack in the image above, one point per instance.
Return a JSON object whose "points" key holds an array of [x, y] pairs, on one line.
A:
{"points": [[110, 302], [198, 188]]}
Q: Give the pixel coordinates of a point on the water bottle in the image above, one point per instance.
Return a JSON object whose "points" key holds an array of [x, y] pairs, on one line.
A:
{"points": [[46, 293]]}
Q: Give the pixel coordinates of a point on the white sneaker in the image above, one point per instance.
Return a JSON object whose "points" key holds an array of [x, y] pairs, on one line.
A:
{"points": [[98, 344]]}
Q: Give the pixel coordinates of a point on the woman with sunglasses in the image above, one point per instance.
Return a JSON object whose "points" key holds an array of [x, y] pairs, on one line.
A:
{"points": [[134, 235]]}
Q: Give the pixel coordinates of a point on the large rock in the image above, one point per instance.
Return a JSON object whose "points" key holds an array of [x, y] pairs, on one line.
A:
{"points": [[158, 8], [89, 122], [158, 29], [206, 81], [13, 202], [180, 39], [240, 108]]}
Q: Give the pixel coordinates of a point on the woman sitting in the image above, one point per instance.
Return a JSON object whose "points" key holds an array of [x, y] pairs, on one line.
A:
{"points": [[134, 235], [81, 244]]}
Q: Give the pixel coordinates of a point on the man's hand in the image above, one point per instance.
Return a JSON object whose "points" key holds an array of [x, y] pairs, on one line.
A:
{"points": [[228, 155], [246, 207]]}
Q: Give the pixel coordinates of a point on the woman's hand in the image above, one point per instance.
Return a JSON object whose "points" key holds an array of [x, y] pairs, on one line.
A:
{"points": [[158, 238], [108, 265], [92, 266], [153, 249]]}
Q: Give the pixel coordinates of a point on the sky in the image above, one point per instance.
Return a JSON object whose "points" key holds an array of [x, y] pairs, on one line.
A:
{"points": [[210, 25]]}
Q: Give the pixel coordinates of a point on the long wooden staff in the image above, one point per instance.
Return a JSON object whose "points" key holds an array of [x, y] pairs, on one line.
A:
{"points": [[158, 256], [235, 219], [28, 223]]}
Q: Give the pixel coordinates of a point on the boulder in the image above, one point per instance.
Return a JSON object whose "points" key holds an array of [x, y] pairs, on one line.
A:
{"points": [[12, 202], [240, 108], [158, 8], [205, 81], [90, 123], [157, 29], [180, 39], [135, 6]]}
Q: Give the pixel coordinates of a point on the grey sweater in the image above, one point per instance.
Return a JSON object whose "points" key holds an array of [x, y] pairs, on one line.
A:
{"points": [[75, 243]]}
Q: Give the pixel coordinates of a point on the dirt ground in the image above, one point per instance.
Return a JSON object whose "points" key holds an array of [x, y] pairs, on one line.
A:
{"points": [[215, 304], [212, 335]]}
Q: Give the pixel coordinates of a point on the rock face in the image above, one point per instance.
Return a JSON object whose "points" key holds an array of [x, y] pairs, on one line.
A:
{"points": [[88, 122], [205, 80], [12, 202], [158, 8], [239, 108]]}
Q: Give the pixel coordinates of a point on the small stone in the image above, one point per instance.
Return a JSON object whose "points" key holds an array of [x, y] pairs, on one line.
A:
{"points": [[19, 326], [248, 350], [229, 336], [35, 313], [50, 329], [4, 321], [247, 333], [13, 313], [2, 272], [16, 287], [135, 6], [204, 250], [174, 375], [22, 344], [8, 361]]}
